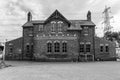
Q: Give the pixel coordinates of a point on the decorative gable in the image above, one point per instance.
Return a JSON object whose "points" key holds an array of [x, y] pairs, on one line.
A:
{"points": [[57, 15]]}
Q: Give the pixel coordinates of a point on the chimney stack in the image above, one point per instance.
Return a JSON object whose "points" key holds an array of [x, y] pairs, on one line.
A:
{"points": [[29, 16], [89, 16]]}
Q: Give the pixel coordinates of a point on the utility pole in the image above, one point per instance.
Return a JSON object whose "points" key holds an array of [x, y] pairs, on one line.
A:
{"points": [[107, 18]]}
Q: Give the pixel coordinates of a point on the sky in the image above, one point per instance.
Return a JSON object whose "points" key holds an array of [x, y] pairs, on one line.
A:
{"points": [[13, 13]]}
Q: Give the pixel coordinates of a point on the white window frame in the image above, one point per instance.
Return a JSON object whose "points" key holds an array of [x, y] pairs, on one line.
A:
{"points": [[64, 47], [53, 23], [88, 43], [60, 26], [49, 48], [82, 49], [86, 32], [40, 27], [56, 47]]}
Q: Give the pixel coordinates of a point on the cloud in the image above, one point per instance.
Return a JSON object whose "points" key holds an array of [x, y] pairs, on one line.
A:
{"points": [[99, 29], [98, 8], [13, 16], [91, 1], [13, 12], [69, 8], [116, 22]]}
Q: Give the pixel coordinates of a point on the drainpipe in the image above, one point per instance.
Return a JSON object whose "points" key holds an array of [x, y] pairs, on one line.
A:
{"points": [[94, 44]]}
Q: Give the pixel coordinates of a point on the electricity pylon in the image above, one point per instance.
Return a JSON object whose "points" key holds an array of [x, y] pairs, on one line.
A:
{"points": [[107, 18]]}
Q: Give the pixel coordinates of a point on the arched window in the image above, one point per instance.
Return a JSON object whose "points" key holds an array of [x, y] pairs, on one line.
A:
{"points": [[64, 47], [49, 47], [60, 26], [57, 47], [53, 23]]}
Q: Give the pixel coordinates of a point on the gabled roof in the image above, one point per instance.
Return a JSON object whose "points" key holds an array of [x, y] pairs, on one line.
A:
{"points": [[57, 15], [72, 22]]}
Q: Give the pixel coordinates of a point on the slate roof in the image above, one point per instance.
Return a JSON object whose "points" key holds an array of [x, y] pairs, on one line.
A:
{"points": [[82, 22], [17, 39], [75, 27], [74, 24], [28, 24], [37, 21]]}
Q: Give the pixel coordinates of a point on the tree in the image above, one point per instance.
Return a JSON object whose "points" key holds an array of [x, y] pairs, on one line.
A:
{"points": [[112, 35]]}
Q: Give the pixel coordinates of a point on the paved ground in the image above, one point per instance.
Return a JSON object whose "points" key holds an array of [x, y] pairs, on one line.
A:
{"points": [[61, 71]]}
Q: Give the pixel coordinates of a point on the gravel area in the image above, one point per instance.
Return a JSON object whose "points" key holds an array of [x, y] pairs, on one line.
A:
{"points": [[23, 70]]}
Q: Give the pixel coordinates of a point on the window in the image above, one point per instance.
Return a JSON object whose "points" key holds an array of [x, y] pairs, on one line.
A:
{"points": [[30, 29], [53, 23], [88, 47], [32, 49], [81, 47], [49, 47], [64, 47], [40, 27], [106, 48], [28, 49], [101, 48], [11, 50], [30, 32], [60, 26], [77, 24], [85, 27], [57, 46], [85, 30]]}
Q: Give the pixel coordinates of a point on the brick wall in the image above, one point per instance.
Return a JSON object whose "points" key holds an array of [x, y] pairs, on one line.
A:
{"points": [[13, 49], [111, 54], [27, 41]]}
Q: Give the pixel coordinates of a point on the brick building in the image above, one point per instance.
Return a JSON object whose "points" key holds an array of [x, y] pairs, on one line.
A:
{"points": [[59, 39]]}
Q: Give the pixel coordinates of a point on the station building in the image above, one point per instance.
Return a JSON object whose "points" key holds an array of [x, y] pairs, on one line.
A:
{"points": [[59, 39]]}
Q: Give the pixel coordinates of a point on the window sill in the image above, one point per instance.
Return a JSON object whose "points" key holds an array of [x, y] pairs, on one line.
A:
{"points": [[53, 32], [49, 52], [60, 32]]}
